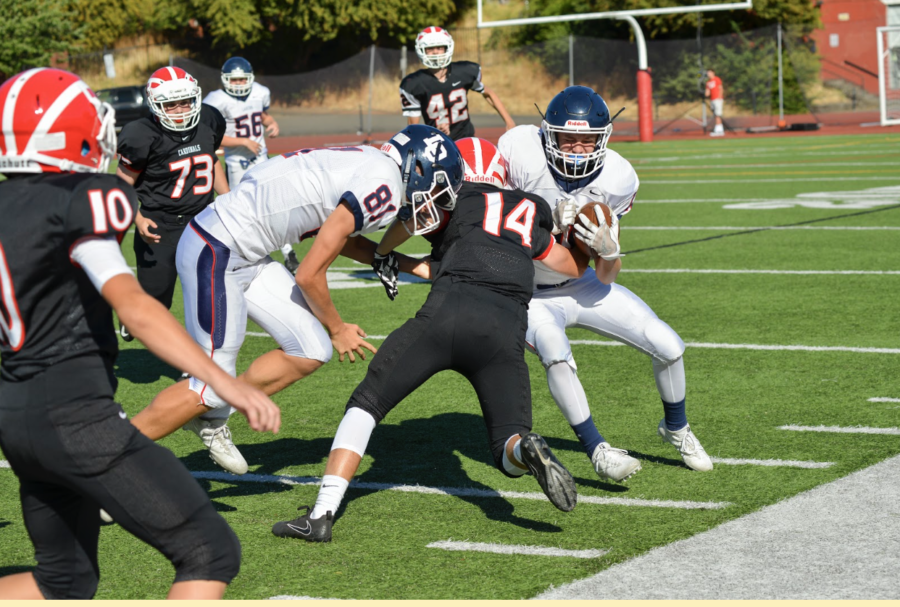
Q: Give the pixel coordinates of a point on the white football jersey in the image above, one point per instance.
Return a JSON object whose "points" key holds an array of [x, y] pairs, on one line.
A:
{"points": [[527, 169], [287, 198], [243, 118]]}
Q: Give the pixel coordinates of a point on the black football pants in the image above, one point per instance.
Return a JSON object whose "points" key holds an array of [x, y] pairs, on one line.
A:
{"points": [[469, 329], [156, 271], [74, 452]]}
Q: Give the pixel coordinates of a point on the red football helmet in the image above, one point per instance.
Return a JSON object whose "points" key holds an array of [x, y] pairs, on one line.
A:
{"points": [[484, 164], [168, 84], [53, 123]]}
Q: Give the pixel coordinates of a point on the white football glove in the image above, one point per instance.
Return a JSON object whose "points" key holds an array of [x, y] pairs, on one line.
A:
{"points": [[388, 269], [564, 214], [603, 239]]}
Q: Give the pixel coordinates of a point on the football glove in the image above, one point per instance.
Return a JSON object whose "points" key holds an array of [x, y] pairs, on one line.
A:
{"points": [[564, 214], [603, 239], [388, 269]]}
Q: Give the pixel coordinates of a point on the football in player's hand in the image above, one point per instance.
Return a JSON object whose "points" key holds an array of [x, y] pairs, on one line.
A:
{"points": [[589, 211]]}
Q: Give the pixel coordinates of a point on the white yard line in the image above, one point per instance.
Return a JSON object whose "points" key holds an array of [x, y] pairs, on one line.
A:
{"points": [[728, 167], [460, 491], [514, 549], [702, 345], [787, 463], [4, 463], [884, 399], [288, 597], [842, 429]]}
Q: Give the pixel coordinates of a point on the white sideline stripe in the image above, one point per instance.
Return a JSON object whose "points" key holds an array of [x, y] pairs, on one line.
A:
{"points": [[884, 399], [717, 228], [787, 463], [789, 180], [842, 429], [459, 491], [697, 344], [589, 342], [799, 272], [288, 597], [512, 549]]}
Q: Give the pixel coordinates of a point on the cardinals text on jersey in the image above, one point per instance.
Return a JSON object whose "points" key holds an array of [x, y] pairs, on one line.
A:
{"points": [[289, 197]]}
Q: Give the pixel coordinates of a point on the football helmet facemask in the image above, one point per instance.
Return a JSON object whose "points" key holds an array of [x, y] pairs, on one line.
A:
{"points": [[169, 84], [432, 37], [576, 110], [237, 68], [432, 170], [54, 123]]}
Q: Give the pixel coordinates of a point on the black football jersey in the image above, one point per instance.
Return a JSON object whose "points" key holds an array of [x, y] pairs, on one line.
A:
{"points": [[423, 94], [176, 169], [49, 309], [493, 237]]}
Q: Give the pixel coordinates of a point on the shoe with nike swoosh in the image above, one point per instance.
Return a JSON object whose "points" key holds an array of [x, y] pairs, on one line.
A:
{"points": [[306, 528], [556, 482]]}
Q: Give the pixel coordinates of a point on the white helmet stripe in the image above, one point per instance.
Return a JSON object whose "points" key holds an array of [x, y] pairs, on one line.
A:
{"points": [[50, 116], [172, 72], [9, 110], [479, 161]]}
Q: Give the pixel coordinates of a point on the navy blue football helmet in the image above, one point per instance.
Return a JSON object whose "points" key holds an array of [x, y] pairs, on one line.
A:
{"points": [[432, 170], [237, 68], [576, 110]]}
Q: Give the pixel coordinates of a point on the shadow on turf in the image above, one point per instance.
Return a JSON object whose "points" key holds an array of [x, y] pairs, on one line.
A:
{"points": [[139, 366], [415, 452], [4, 524]]}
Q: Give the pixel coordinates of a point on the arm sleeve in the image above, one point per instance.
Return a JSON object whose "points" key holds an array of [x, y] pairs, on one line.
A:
{"points": [[100, 258], [103, 206], [477, 84], [267, 100], [133, 148]]}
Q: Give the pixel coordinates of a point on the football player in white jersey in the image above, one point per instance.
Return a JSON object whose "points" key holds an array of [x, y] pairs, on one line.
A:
{"points": [[567, 163], [334, 194], [245, 105]]}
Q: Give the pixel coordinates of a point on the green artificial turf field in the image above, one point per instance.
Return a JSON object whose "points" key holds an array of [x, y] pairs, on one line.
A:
{"points": [[704, 252]]}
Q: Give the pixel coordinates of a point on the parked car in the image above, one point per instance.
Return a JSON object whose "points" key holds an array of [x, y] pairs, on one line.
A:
{"points": [[128, 101]]}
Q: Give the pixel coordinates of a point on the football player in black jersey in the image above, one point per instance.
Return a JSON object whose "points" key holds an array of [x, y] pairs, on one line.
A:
{"points": [[170, 159], [473, 322], [68, 442], [440, 90]]}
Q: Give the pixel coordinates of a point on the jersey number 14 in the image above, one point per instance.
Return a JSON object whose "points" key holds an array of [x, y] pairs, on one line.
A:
{"points": [[520, 220]]}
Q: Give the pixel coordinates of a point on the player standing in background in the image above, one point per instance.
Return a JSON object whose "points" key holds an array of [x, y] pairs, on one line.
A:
{"points": [[567, 162], [170, 159], [716, 96], [473, 322], [68, 442], [334, 194], [440, 90], [244, 103]]}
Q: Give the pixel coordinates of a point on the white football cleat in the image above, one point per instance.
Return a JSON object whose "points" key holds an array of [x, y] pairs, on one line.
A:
{"points": [[686, 442], [613, 464], [216, 436]]}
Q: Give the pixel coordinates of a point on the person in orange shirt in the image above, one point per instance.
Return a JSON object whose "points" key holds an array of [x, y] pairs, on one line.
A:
{"points": [[716, 97]]}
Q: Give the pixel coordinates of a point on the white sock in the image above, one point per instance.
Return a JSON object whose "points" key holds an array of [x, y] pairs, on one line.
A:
{"points": [[286, 250], [330, 495], [516, 468]]}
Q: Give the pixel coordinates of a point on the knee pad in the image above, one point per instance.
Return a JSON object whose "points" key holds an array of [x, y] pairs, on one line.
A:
{"points": [[294, 346], [666, 345], [205, 548], [368, 400], [552, 346]]}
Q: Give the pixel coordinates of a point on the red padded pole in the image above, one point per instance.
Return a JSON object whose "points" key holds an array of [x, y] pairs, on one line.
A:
{"points": [[645, 105]]}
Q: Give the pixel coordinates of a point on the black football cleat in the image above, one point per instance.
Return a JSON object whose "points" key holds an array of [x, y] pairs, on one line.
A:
{"points": [[556, 482], [123, 332], [291, 262], [305, 528]]}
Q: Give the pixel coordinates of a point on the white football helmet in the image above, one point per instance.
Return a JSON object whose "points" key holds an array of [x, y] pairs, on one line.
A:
{"points": [[168, 84], [432, 37]]}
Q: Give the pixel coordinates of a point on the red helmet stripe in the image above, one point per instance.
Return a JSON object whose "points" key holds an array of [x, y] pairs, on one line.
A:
{"points": [[50, 116], [9, 110]]}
